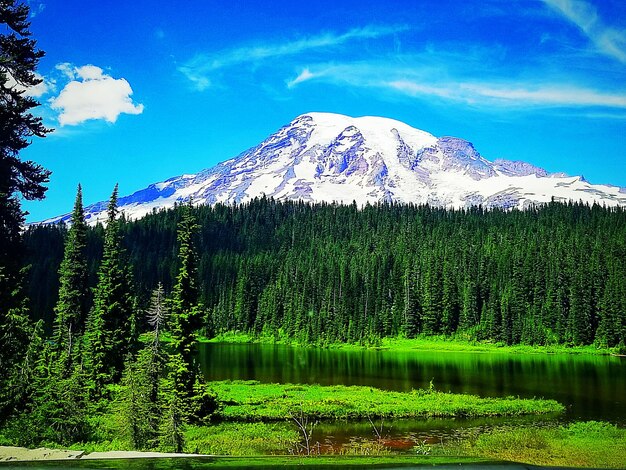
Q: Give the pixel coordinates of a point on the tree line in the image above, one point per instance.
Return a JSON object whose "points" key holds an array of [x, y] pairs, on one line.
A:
{"points": [[323, 273]]}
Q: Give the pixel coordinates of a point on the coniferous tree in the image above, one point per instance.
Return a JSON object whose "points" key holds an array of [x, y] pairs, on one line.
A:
{"points": [[143, 399], [136, 407], [18, 179], [171, 431], [108, 336], [186, 318], [71, 308], [17, 333], [55, 405]]}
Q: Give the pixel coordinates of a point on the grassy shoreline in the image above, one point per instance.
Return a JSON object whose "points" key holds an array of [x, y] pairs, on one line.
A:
{"points": [[259, 419], [132, 459], [258, 428], [421, 343], [252, 401], [581, 444]]}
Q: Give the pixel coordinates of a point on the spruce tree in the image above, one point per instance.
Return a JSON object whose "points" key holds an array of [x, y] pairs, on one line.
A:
{"points": [[70, 311], [108, 337], [143, 398], [186, 318]]}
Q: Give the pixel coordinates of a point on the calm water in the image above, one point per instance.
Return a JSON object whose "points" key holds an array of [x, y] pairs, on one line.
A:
{"points": [[592, 387]]}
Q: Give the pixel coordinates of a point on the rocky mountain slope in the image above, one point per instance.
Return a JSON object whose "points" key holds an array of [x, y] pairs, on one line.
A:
{"points": [[330, 157]]}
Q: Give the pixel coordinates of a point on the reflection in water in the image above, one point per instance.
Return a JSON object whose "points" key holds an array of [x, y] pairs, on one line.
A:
{"points": [[404, 434], [592, 387]]}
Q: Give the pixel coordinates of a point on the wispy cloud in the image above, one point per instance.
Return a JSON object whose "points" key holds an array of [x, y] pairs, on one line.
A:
{"points": [[442, 85], [304, 76], [607, 40], [36, 7], [515, 95], [198, 70]]}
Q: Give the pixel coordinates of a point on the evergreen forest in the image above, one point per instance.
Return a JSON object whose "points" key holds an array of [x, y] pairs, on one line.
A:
{"points": [[326, 273]]}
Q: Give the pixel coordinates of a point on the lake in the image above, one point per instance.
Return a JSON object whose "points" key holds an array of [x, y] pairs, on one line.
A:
{"points": [[592, 387]]}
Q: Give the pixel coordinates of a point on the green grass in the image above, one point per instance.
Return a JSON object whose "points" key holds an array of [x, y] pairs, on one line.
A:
{"points": [[457, 343], [231, 439], [257, 419], [254, 401], [581, 444], [460, 344], [241, 439]]}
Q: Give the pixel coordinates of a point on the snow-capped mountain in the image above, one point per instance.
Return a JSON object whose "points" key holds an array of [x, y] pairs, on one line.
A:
{"points": [[330, 157]]}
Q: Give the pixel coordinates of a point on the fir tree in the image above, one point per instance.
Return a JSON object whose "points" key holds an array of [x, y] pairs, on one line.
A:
{"points": [[186, 319], [143, 398], [16, 334], [171, 431], [71, 307], [55, 406], [136, 407], [108, 335]]}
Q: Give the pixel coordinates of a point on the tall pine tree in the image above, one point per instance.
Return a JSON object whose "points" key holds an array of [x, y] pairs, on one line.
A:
{"points": [[143, 399], [108, 337], [71, 308], [186, 318]]}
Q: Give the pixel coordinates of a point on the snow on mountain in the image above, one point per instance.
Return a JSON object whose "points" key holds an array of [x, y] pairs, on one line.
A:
{"points": [[330, 157]]}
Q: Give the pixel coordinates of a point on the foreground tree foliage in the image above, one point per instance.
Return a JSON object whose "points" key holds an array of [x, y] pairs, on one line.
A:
{"points": [[164, 389], [94, 366], [18, 179]]}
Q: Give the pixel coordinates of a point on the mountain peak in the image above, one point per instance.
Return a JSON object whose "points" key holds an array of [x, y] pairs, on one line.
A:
{"points": [[336, 158], [374, 127]]}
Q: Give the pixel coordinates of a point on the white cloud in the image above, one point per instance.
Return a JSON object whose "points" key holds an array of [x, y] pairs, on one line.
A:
{"points": [[609, 41], [417, 88], [200, 82], [199, 68], [89, 72], [92, 94], [545, 95]]}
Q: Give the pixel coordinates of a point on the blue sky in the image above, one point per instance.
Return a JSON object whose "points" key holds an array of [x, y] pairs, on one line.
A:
{"points": [[141, 91]]}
